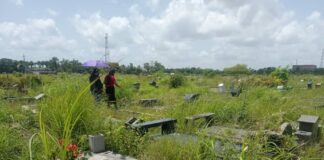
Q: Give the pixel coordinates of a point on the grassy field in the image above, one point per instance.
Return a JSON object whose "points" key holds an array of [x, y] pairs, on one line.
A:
{"points": [[69, 113]]}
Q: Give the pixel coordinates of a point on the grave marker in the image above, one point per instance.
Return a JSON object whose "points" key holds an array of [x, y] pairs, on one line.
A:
{"points": [[148, 102], [191, 97], [97, 143], [308, 128]]}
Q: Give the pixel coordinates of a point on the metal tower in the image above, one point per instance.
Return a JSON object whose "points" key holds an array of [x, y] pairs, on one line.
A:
{"points": [[322, 59], [106, 48]]}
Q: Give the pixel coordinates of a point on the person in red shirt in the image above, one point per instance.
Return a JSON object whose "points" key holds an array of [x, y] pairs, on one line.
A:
{"points": [[110, 83]]}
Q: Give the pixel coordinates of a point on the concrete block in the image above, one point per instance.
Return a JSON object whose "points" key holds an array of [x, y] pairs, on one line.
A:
{"points": [[97, 143]]}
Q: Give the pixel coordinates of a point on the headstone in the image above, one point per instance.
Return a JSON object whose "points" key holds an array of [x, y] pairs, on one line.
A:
{"points": [[235, 92], [97, 143], [280, 87], [153, 83], [221, 88], [309, 84], [191, 97], [148, 102], [308, 127], [308, 123]]}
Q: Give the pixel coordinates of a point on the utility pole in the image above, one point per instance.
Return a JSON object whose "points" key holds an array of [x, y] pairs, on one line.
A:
{"points": [[106, 48]]}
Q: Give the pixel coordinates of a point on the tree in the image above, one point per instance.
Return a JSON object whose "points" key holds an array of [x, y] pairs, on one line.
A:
{"points": [[237, 69], [53, 64], [281, 75]]}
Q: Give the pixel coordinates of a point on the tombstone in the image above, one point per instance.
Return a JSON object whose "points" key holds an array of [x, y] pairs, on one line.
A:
{"points": [[137, 85], [280, 87], [191, 97], [97, 143], [235, 92], [308, 128], [153, 83], [318, 85], [133, 121], [221, 88], [309, 84], [148, 102]]}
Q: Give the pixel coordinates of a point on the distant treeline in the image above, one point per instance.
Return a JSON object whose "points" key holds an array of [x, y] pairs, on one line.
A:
{"points": [[74, 66]]}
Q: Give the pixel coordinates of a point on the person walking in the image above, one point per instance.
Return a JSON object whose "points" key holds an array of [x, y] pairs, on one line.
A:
{"points": [[96, 87], [110, 83]]}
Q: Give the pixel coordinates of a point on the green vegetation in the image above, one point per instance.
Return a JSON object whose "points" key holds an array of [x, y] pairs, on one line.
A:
{"points": [[69, 114]]}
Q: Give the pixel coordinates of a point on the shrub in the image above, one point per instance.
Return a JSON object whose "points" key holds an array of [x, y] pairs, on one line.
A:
{"points": [[281, 75], [176, 81]]}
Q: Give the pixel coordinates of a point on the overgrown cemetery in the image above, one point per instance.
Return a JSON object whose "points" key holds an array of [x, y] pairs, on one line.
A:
{"points": [[162, 116]]}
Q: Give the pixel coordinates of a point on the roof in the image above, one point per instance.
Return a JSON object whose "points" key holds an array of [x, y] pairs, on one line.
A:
{"points": [[308, 119]]}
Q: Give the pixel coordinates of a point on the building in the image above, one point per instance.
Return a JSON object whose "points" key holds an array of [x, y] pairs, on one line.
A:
{"points": [[304, 68]]}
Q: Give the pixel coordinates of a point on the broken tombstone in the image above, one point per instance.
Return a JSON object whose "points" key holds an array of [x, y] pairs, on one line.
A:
{"points": [[191, 97], [148, 102], [286, 129]]}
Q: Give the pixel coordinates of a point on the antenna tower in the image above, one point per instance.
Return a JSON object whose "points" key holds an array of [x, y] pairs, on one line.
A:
{"points": [[106, 48], [322, 59]]}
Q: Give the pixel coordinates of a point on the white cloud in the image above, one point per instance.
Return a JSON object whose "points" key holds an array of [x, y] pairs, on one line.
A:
{"points": [[205, 33], [52, 12], [36, 38], [18, 3]]}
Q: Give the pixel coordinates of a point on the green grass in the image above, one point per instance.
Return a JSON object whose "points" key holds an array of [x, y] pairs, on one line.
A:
{"points": [[69, 113]]}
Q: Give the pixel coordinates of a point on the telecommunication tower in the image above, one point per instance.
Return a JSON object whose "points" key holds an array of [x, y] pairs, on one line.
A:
{"points": [[106, 48], [322, 59]]}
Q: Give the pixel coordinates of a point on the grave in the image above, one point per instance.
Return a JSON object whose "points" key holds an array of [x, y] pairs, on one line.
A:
{"points": [[108, 155], [12, 98], [167, 126], [209, 117], [191, 97], [225, 133], [308, 128], [148, 102]]}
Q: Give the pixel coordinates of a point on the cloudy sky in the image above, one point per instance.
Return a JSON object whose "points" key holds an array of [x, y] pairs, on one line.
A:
{"points": [[177, 33]]}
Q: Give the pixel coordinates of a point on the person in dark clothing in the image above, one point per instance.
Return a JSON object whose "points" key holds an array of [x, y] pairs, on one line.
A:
{"points": [[96, 85], [110, 83]]}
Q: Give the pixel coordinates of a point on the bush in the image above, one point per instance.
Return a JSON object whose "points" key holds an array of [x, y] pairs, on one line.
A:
{"points": [[10, 144], [281, 75], [176, 81]]}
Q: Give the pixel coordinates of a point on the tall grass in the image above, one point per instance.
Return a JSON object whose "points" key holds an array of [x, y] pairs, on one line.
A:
{"points": [[65, 115]]}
